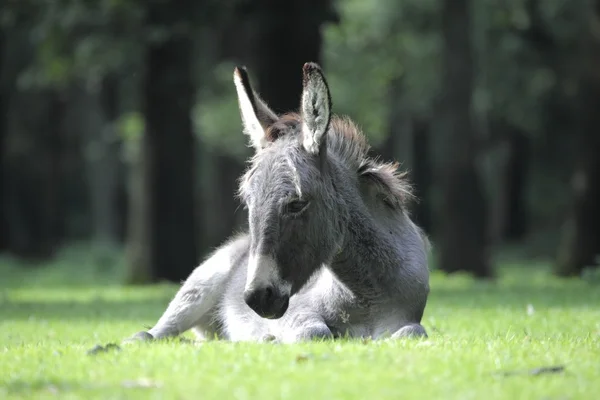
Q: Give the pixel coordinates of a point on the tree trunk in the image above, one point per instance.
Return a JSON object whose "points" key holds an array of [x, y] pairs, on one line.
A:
{"points": [[421, 172], [167, 148], [53, 220], [580, 247], [4, 95], [289, 35], [398, 144], [34, 192], [508, 170], [221, 204], [407, 143], [462, 215], [31, 150], [101, 149], [139, 237], [516, 175], [111, 106]]}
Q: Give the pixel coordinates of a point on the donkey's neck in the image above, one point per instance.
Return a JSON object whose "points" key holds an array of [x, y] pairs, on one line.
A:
{"points": [[367, 259]]}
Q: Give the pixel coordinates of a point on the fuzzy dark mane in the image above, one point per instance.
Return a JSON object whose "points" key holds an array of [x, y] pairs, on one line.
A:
{"points": [[350, 144], [288, 124]]}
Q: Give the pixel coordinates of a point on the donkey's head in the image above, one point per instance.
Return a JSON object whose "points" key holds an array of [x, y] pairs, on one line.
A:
{"points": [[294, 213]]}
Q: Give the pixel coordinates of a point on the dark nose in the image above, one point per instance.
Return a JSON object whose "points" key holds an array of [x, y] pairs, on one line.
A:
{"points": [[267, 302]]}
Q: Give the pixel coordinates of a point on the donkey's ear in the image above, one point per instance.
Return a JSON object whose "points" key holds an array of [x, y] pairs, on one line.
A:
{"points": [[315, 108], [256, 114]]}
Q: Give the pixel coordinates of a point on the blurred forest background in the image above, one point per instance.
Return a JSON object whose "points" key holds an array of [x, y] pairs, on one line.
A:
{"points": [[119, 124]]}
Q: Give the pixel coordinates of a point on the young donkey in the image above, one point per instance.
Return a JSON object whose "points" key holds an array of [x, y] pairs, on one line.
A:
{"points": [[331, 250]]}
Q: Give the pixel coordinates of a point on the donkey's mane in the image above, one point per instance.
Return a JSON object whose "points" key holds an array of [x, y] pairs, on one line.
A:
{"points": [[347, 141]]}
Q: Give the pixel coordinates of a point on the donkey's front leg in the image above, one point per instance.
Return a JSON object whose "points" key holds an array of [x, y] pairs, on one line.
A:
{"points": [[306, 327], [194, 303], [413, 330]]}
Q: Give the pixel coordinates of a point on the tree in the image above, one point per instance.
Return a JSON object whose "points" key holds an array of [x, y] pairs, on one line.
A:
{"points": [[513, 223], [33, 126], [461, 229], [53, 59], [421, 172], [407, 140], [167, 220], [96, 110], [274, 39], [4, 241], [288, 35], [580, 245]]}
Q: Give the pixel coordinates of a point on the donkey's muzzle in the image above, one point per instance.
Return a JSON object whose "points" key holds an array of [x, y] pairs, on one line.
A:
{"points": [[267, 302]]}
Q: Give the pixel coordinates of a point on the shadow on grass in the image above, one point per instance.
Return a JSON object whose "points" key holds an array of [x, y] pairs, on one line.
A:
{"points": [[516, 296], [57, 387], [67, 291], [125, 310], [516, 286], [151, 306]]}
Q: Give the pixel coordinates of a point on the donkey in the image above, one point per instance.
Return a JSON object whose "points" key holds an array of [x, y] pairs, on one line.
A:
{"points": [[331, 250]]}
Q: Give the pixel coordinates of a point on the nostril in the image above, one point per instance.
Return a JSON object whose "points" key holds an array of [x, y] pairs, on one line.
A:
{"points": [[269, 294]]}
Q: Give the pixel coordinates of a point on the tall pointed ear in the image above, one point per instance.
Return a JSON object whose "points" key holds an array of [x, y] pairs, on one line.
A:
{"points": [[256, 114], [315, 108]]}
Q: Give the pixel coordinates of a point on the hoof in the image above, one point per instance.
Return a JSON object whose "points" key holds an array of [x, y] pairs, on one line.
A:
{"points": [[412, 331], [268, 338], [142, 336]]}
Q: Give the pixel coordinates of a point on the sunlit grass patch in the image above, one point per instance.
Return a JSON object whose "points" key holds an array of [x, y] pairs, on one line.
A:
{"points": [[478, 331]]}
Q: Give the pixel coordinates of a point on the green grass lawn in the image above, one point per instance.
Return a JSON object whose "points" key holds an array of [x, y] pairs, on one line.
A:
{"points": [[51, 315]]}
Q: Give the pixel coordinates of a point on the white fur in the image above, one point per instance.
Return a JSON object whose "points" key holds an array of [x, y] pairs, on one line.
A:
{"points": [[263, 272], [252, 126], [295, 176], [197, 296], [315, 113]]}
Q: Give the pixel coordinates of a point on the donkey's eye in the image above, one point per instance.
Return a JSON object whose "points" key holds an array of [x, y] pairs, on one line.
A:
{"points": [[296, 206]]}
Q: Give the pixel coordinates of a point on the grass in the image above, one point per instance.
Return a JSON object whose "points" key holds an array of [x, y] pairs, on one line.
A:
{"points": [[51, 315]]}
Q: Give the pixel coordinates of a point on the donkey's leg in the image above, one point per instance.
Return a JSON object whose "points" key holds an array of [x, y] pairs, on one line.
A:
{"points": [[196, 300], [306, 327], [315, 332], [410, 331]]}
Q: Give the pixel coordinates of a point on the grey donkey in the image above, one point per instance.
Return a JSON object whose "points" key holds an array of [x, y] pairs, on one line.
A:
{"points": [[331, 250]]}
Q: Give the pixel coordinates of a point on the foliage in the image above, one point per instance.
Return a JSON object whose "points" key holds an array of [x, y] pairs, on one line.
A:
{"points": [[526, 56], [50, 317], [374, 45], [83, 40], [216, 117], [522, 48], [131, 128], [377, 43]]}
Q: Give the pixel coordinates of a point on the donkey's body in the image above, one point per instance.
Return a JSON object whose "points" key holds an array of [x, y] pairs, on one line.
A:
{"points": [[331, 250]]}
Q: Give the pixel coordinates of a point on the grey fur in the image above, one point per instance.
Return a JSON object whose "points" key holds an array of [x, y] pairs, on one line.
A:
{"points": [[351, 263]]}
